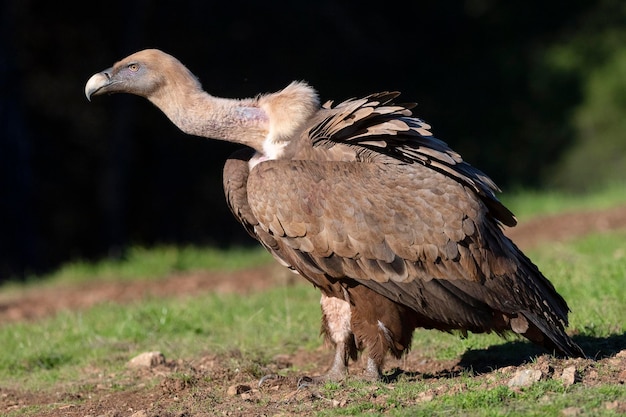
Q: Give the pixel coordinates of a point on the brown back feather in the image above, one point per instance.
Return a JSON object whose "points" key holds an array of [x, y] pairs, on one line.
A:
{"points": [[377, 126]]}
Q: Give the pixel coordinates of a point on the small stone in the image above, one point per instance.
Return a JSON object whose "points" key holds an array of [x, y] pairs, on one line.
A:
{"points": [[569, 376], [140, 413], [147, 360], [525, 377], [621, 354]]}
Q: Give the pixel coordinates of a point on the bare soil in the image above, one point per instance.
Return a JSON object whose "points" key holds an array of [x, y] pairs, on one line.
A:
{"points": [[207, 386]]}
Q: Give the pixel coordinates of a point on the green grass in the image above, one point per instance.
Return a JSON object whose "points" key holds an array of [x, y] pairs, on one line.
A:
{"points": [[107, 335], [153, 263], [471, 398], [591, 274], [526, 204]]}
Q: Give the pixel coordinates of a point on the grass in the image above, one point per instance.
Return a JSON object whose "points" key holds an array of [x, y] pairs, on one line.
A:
{"points": [[109, 334], [545, 398], [526, 204], [157, 262], [589, 272]]}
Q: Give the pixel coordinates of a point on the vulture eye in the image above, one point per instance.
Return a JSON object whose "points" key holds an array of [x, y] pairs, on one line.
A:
{"points": [[133, 67]]}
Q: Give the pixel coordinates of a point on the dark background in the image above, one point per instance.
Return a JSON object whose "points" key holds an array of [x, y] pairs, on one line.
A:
{"points": [[81, 180]]}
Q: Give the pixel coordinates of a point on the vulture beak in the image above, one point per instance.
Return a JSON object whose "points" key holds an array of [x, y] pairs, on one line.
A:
{"points": [[98, 83]]}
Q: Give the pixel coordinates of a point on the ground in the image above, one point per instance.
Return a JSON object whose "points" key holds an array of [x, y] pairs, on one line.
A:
{"points": [[208, 384]]}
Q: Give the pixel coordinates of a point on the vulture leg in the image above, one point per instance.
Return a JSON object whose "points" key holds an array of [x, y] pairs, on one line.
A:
{"points": [[336, 326], [373, 370], [382, 326]]}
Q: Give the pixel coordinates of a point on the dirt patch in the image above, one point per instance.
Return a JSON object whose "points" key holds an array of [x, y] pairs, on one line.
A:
{"points": [[34, 303], [567, 226], [211, 385], [200, 386]]}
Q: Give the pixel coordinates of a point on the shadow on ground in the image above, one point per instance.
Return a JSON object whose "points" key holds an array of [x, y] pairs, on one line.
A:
{"points": [[513, 353]]}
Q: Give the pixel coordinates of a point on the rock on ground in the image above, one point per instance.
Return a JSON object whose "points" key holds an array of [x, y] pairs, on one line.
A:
{"points": [[525, 377], [147, 360], [569, 376]]}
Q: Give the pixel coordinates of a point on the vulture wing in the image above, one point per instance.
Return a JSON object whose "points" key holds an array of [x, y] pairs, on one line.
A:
{"points": [[413, 222], [412, 234]]}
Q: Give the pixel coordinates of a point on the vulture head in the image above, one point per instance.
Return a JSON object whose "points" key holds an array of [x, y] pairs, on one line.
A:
{"points": [[145, 73], [266, 123]]}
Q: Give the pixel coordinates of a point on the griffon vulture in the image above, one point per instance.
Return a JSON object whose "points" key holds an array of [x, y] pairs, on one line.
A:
{"points": [[359, 198]]}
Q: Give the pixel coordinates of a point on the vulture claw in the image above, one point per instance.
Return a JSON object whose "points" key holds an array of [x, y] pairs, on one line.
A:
{"points": [[302, 382], [311, 381], [269, 377], [307, 381]]}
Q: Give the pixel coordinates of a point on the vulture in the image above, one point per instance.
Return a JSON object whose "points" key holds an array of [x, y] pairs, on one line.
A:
{"points": [[395, 229]]}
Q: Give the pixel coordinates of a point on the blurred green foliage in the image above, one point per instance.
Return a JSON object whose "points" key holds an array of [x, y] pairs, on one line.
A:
{"points": [[598, 156], [596, 57]]}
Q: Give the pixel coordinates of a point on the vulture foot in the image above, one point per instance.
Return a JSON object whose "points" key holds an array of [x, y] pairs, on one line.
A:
{"points": [[270, 377], [373, 371], [310, 381], [337, 372], [302, 382]]}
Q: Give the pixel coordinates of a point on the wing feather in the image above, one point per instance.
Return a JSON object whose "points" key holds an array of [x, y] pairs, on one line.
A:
{"points": [[384, 222], [378, 127]]}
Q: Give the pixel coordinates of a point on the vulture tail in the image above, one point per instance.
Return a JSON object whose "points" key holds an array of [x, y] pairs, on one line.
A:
{"points": [[552, 338]]}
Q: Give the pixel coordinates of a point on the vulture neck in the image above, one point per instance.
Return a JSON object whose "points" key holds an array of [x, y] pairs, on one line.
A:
{"points": [[196, 112], [270, 124]]}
